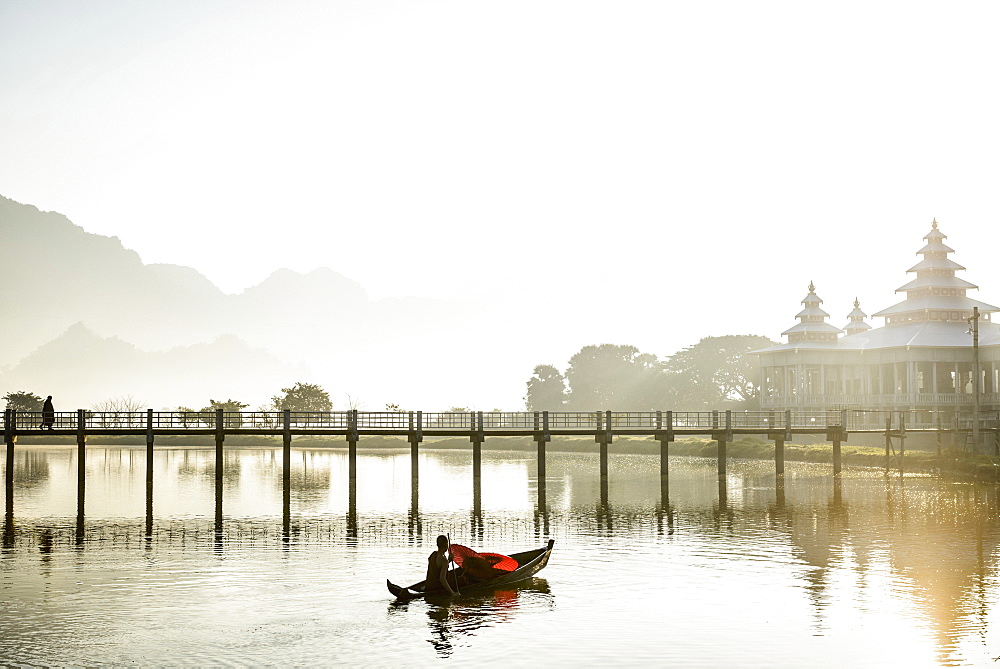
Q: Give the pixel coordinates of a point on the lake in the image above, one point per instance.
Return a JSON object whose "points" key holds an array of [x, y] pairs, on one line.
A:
{"points": [[868, 570]]}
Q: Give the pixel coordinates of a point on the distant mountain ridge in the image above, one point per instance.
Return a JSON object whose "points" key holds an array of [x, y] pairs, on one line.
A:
{"points": [[68, 292], [59, 274]]}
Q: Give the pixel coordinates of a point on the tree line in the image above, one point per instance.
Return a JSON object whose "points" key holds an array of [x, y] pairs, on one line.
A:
{"points": [[715, 373], [299, 397]]}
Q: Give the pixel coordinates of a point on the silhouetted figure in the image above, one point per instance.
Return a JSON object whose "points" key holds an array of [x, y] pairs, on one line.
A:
{"points": [[48, 413]]}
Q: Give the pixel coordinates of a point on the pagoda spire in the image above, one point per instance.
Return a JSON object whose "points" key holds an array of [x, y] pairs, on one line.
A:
{"points": [[812, 325], [936, 294], [857, 322]]}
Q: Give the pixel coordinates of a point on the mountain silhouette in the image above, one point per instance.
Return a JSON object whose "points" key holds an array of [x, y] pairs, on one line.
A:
{"points": [[88, 319]]}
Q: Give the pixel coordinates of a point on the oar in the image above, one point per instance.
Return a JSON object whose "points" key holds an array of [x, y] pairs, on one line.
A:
{"points": [[451, 554]]}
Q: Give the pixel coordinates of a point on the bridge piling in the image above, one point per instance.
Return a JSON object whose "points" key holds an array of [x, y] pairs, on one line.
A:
{"points": [[8, 439], [902, 440], [722, 438], [415, 436], [352, 445], [541, 435], [779, 455], [220, 437], [286, 459], [80, 428], [477, 439], [664, 436], [604, 437]]}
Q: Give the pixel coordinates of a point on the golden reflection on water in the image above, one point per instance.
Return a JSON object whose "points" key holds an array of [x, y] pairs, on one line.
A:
{"points": [[915, 557]]}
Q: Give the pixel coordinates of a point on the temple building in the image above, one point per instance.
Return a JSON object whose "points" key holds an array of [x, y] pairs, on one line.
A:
{"points": [[920, 360]]}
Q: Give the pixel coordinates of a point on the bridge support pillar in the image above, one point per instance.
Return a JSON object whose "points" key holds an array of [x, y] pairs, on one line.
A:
{"points": [[722, 457], [477, 459], [836, 455], [664, 434], [220, 438], [8, 439], [779, 455], [604, 437], [477, 438], [352, 445], [541, 436], [540, 442], [81, 472], [149, 466], [352, 457]]}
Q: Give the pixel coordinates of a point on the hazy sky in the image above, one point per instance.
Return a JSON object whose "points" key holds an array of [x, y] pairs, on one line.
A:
{"points": [[677, 169]]}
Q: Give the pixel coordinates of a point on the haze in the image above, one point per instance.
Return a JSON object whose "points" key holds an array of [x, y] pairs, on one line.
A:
{"points": [[549, 174]]}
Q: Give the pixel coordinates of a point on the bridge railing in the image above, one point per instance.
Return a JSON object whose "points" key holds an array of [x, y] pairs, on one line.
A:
{"points": [[459, 422]]}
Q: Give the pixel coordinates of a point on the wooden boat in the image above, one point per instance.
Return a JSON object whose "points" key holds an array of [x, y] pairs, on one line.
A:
{"points": [[529, 564]]}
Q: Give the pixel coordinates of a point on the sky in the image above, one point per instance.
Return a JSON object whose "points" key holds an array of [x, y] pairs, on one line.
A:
{"points": [[677, 169]]}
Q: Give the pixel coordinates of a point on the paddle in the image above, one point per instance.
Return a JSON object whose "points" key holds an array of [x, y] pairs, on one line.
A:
{"points": [[451, 556]]}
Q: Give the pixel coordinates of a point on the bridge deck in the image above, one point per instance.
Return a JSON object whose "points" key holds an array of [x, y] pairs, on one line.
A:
{"points": [[478, 424]]}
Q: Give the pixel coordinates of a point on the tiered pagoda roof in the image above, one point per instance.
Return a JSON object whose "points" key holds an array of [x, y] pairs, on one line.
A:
{"points": [[936, 295], [935, 313], [812, 325], [857, 323]]}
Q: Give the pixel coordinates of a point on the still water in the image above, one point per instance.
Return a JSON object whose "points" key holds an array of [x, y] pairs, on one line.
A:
{"points": [[871, 571]]}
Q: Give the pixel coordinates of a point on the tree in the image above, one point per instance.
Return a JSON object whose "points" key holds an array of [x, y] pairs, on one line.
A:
{"points": [[609, 376], [230, 408], [187, 416], [546, 390], [121, 411], [717, 370], [22, 400], [303, 397]]}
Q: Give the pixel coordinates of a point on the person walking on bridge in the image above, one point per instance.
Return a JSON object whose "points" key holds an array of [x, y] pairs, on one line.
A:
{"points": [[48, 414]]}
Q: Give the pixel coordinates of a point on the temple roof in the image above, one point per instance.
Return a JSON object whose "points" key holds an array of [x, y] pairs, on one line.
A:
{"points": [[814, 326], [857, 320], [812, 311], [935, 263], [926, 333], [937, 302], [937, 282], [935, 245]]}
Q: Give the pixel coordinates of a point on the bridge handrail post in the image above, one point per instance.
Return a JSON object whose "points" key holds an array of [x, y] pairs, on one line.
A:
{"points": [[729, 425], [788, 424], [149, 426]]}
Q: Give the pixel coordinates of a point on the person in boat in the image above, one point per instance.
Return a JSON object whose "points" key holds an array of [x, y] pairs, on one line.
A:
{"points": [[437, 568]]}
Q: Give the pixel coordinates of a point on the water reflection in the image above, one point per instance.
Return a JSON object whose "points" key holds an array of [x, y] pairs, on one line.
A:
{"points": [[453, 621], [916, 551]]}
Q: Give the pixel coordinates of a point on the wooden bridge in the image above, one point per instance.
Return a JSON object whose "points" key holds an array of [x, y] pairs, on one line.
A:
{"points": [[663, 426]]}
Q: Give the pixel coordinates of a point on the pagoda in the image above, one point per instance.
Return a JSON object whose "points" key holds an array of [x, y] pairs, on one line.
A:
{"points": [[921, 360], [857, 322], [936, 294], [812, 325]]}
